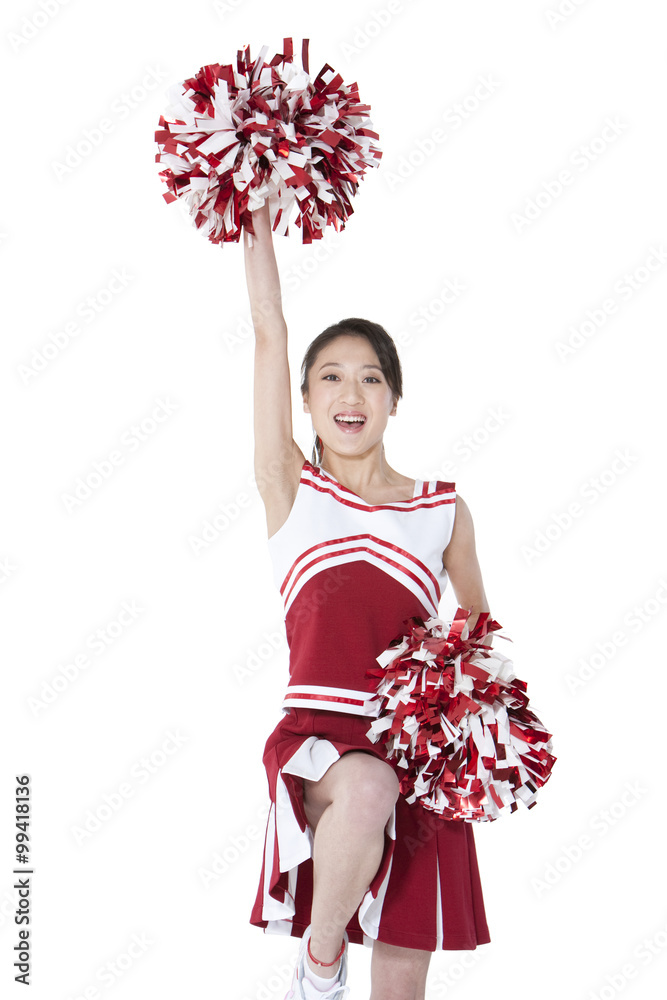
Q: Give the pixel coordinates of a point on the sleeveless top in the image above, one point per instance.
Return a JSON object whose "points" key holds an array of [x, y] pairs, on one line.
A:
{"points": [[350, 573]]}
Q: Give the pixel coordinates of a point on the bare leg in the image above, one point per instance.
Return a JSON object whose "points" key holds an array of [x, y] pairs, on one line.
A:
{"points": [[348, 808], [398, 973]]}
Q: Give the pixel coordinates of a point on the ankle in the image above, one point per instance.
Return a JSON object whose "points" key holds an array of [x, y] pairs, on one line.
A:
{"points": [[322, 958], [323, 971]]}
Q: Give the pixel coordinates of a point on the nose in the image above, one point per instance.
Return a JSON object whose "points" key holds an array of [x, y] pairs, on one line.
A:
{"points": [[351, 394]]}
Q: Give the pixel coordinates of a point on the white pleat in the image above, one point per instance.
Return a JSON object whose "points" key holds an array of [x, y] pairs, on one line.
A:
{"points": [[294, 844], [370, 909], [312, 759], [438, 912]]}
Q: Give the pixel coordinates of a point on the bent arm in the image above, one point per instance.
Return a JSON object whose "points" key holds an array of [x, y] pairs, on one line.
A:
{"points": [[460, 561]]}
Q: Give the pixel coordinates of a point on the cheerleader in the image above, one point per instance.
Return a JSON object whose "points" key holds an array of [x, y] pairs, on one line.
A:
{"points": [[357, 548]]}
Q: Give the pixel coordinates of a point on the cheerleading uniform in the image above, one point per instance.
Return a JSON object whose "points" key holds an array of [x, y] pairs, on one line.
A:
{"points": [[350, 573]]}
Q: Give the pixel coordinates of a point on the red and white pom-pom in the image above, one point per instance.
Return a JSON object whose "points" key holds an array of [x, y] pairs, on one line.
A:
{"points": [[455, 716], [235, 137]]}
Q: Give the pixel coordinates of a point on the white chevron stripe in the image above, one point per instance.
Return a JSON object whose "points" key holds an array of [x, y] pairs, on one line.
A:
{"points": [[328, 520], [338, 554]]}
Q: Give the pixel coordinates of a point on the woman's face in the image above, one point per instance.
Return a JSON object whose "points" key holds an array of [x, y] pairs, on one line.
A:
{"points": [[349, 398]]}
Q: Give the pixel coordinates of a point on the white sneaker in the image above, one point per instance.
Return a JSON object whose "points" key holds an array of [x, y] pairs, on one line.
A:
{"points": [[303, 989]]}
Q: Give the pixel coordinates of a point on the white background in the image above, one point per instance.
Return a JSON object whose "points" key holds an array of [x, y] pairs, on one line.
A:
{"points": [[572, 887]]}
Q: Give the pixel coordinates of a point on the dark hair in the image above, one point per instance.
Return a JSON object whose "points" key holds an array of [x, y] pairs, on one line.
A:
{"points": [[381, 343]]}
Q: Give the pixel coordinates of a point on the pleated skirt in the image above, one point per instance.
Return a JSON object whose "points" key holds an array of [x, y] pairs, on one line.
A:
{"points": [[427, 892]]}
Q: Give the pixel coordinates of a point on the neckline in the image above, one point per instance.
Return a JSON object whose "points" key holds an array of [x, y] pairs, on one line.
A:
{"points": [[419, 484]]}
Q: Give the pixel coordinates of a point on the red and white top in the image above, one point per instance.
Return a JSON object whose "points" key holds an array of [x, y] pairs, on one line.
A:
{"points": [[350, 573]]}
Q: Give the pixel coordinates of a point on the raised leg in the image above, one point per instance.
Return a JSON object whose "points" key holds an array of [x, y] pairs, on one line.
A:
{"points": [[348, 809]]}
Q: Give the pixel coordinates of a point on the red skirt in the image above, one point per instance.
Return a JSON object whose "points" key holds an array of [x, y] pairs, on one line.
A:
{"points": [[426, 893]]}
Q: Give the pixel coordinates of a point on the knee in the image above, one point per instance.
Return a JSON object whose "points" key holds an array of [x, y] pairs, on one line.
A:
{"points": [[370, 797]]}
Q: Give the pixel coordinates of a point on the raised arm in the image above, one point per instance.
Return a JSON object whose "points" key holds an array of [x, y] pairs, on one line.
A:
{"points": [[460, 561], [278, 459]]}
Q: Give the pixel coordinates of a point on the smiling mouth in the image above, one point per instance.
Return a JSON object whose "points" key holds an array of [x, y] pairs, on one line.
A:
{"points": [[350, 423]]}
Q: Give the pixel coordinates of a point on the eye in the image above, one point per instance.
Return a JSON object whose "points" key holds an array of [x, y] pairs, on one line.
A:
{"points": [[373, 377]]}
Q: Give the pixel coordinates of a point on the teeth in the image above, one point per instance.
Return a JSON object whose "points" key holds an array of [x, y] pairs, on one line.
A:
{"points": [[351, 420]]}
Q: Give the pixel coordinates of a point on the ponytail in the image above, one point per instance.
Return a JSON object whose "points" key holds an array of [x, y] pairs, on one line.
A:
{"points": [[317, 451]]}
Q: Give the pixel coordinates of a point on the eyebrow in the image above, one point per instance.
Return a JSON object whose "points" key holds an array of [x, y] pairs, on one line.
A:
{"points": [[337, 364]]}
